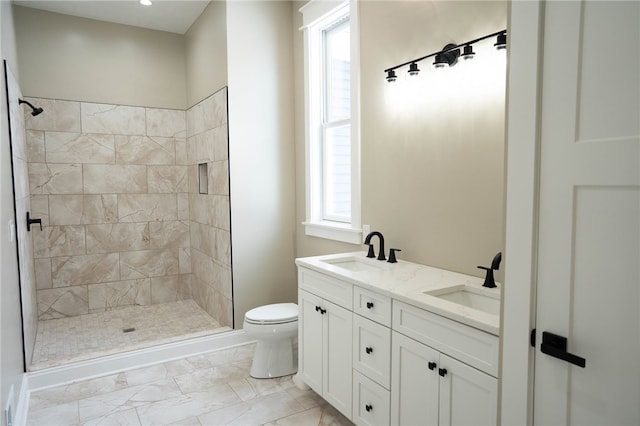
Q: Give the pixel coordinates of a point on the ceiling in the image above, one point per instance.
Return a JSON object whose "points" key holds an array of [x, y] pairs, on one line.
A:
{"points": [[164, 15]]}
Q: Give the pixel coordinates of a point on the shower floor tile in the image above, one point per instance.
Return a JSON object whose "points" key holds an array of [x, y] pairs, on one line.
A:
{"points": [[64, 340]]}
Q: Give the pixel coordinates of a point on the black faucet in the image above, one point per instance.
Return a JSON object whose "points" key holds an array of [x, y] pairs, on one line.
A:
{"points": [[489, 281], [371, 253]]}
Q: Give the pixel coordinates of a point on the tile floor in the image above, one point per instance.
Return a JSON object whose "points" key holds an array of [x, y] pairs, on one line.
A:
{"points": [[65, 340], [209, 389]]}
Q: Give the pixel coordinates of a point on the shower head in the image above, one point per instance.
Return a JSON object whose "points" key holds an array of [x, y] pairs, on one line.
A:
{"points": [[34, 111]]}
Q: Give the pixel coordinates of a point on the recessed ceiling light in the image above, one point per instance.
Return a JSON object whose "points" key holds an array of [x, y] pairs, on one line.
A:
{"points": [[146, 2]]}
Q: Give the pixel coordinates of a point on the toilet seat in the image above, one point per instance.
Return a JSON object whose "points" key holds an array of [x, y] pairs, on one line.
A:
{"points": [[278, 313]]}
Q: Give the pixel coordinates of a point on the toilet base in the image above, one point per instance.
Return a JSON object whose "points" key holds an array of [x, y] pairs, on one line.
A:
{"points": [[274, 359]]}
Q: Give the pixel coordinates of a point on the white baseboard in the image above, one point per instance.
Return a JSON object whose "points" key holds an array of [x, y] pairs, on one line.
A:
{"points": [[22, 407], [111, 364]]}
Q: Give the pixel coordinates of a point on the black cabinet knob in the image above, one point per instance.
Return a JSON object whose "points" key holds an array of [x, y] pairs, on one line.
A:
{"points": [[369, 305], [432, 365], [323, 311], [442, 372], [368, 349], [368, 407], [318, 308]]}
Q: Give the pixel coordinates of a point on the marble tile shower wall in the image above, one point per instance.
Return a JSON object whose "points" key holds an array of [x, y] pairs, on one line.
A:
{"points": [[210, 214], [110, 183]]}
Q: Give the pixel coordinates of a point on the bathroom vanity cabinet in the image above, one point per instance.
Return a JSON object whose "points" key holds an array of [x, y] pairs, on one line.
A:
{"points": [[380, 360]]}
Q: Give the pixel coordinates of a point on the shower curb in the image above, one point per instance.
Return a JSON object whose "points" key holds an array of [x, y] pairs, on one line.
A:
{"points": [[111, 364]]}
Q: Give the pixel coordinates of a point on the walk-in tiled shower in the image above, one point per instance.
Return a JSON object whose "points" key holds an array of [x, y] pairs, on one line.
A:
{"points": [[125, 223]]}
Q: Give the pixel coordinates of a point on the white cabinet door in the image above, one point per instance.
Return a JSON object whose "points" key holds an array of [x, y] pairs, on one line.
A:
{"points": [[310, 345], [337, 384], [414, 382], [467, 396]]}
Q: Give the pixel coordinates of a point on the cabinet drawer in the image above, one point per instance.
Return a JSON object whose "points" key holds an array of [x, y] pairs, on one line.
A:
{"points": [[370, 401], [328, 288], [372, 305], [467, 344], [372, 350]]}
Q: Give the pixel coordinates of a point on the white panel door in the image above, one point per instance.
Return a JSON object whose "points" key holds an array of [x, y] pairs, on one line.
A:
{"points": [[414, 382], [310, 340], [467, 396], [588, 276], [337, 357]]}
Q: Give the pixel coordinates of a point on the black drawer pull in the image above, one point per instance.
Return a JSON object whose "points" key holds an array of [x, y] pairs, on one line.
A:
{"points": [[369, 305], [368, 349], [368, 407], [432, 365], [442, 372]]}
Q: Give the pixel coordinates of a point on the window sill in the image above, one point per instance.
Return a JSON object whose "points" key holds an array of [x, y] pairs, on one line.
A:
{"points": [[333, 231]]}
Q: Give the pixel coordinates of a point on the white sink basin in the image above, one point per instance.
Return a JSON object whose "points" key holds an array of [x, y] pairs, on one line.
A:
{"points": [[471, 297], [354, 264]]}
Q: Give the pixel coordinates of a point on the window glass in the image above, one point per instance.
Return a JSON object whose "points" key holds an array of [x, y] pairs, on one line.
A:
{"points": [[337, 71], [337, 173], [336, 134]]}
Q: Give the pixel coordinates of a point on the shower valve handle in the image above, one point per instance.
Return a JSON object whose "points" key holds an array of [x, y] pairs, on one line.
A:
{"points": [[32, 221]]}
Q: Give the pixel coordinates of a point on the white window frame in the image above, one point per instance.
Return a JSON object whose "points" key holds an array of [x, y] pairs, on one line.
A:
{"points": [[318, 15]]}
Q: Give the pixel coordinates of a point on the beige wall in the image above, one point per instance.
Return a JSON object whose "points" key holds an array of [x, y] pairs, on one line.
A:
{"points": [[432, 173], [65, 57], [206, 53], [11, 358], [261, 153]]}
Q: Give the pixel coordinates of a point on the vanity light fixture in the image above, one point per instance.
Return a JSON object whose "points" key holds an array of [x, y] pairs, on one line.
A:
{"points": [[467, 52], [501, 41], [146, 2], [391, 76], [448, 56]]}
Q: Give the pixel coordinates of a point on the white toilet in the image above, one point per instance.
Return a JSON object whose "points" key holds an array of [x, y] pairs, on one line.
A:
{"points": [[275, 328]]}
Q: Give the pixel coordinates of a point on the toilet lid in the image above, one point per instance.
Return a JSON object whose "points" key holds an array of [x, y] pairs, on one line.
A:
{"points": [[276, 313]]}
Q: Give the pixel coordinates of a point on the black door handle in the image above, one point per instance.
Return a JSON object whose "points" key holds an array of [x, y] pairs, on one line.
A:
{"points": [[556, 346]]}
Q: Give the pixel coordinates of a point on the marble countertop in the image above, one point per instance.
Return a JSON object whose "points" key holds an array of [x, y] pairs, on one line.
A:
{"points": [[408, 282]]}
